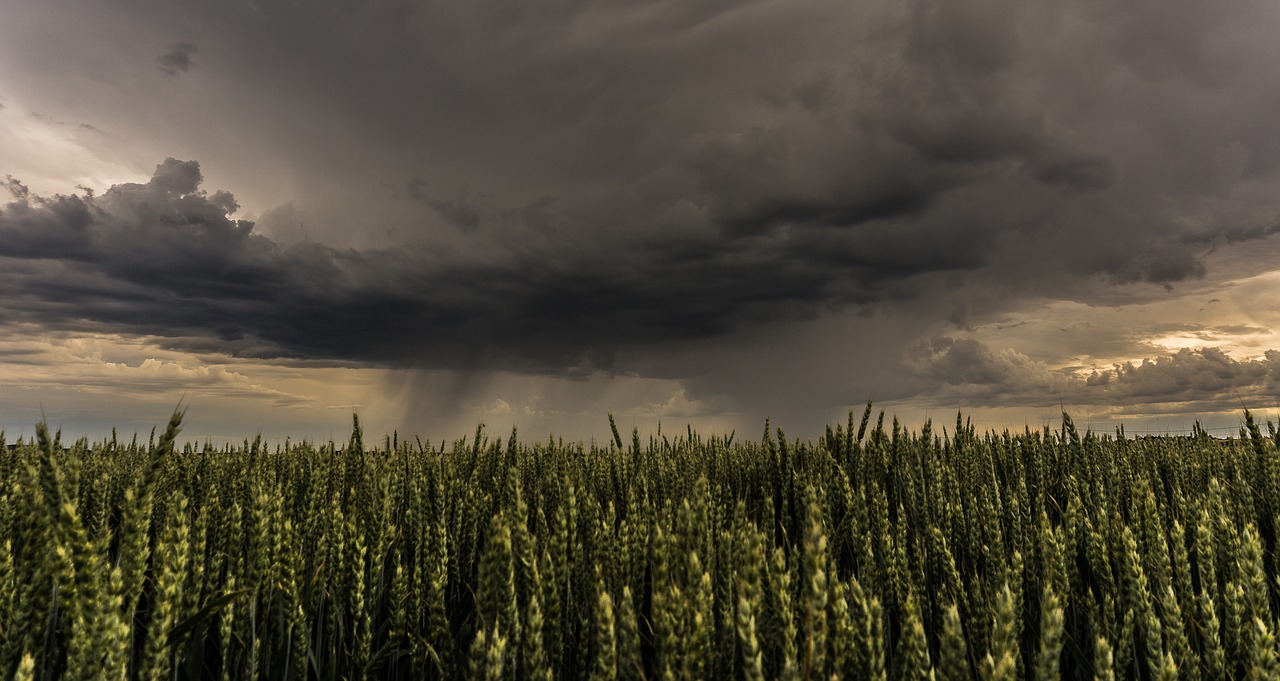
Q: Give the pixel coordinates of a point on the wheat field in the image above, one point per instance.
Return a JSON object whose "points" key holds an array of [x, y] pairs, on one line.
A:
{"points": [[874, 552]]}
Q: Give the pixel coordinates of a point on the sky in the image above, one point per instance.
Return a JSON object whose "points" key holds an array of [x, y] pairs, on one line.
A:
{"points": [[440, 213]]}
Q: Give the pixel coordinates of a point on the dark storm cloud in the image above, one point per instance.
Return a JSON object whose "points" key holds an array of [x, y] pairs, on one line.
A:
{"points": [[166, 258], [1163, 264], [52, 228], [177, 59], [664, 172], [1088, 133]]}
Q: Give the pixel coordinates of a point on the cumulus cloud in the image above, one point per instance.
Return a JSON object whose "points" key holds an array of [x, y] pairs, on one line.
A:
{"points": [[968, 362], [1204, 379], [1205, 375], [167, 258]]}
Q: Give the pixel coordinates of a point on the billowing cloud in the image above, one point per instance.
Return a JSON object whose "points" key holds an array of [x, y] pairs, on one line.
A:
{"points": [[1204, 379], [167, 258], [970, 363]]}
